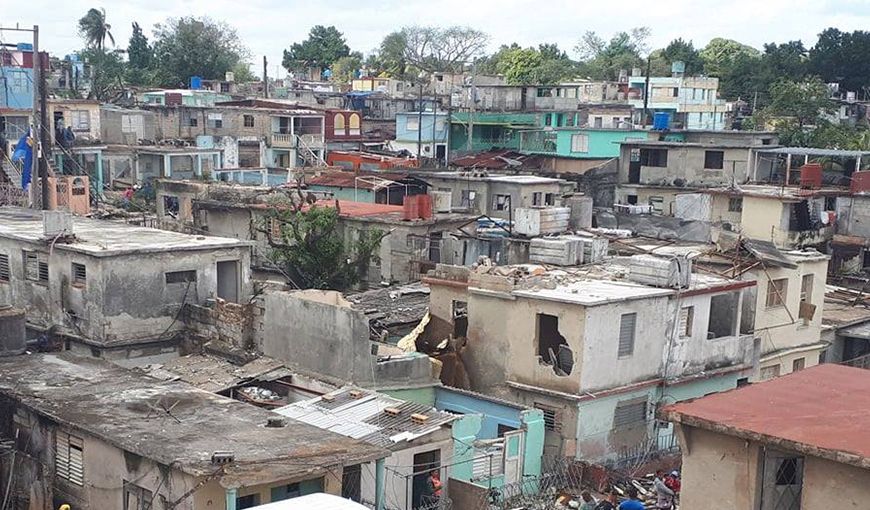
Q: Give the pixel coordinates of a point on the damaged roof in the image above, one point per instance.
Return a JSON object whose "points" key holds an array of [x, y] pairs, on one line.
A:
{"points": [[369, 416], [174, 423], [393, 306], [497, 159], [215, 374], [820, 411], [102, 238]]}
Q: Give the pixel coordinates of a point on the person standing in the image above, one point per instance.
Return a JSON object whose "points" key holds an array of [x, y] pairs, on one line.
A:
{"points": [[664, 494], [632, 503]]}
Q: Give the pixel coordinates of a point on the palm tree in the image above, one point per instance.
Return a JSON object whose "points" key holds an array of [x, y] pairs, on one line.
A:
{"points": [[94, 29]]}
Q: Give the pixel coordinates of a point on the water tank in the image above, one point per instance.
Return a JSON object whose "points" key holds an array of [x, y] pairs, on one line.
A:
{"points": [[12, 331], [196, 82], [678, 68], [661, 121]]}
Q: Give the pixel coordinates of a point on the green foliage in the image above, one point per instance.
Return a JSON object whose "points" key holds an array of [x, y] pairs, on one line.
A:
{"points": [[390, 58], [189, 46], [680, 50], [437, 49], [805, 101], [529, 66], [324, 46], [94, 29], [344, 69], [107, 72], [312, 252], [842, 57], [720, 54], [603, 60], [140, 57], [242, 73]]}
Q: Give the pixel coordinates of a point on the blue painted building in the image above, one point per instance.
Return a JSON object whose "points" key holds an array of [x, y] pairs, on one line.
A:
{"points": [[16, 88], [428, 128]]}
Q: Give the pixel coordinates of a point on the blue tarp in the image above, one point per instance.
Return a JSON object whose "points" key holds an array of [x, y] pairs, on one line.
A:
{"points": [[23, 153]]}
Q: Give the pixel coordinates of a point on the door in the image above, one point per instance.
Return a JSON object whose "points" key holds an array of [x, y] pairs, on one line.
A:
{"points": [[424, 463], [228, 280], [634, 167], [514, 443]]}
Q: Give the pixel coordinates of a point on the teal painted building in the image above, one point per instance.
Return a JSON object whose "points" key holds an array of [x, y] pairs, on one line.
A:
{"points": [[501, 130], [578, 143]]}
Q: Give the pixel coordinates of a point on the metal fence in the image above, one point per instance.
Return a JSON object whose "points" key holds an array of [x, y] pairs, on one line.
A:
{"points": [[558, 476], [859, 362]]}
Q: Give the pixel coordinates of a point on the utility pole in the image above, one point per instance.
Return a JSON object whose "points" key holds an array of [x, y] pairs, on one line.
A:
{"points": [[34, 122], [265, 80], [44, 139], [420, 125], [434, 117], [468, 142], [646, 92]]}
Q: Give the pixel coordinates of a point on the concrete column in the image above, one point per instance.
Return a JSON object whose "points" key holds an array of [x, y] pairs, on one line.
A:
{"points": [[858, 164], [232, 494], [380, 487], [100, 174], [198, 165], [787, 169], [167, 165]]}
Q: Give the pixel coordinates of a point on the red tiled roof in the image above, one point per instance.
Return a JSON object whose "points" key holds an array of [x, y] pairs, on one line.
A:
{"points": [[823, 410]]}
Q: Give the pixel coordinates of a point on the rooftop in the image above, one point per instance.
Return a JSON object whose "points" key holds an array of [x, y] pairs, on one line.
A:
{"points": [[215, 374], [360, 414], [498, 159], [819, 411], [788, 193], [500, 178], [131, 411], [102, 238], [809, 151]]}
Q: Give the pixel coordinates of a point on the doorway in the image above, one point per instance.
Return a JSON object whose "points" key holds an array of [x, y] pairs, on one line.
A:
{"points": [[424, 463], [228, 280], [440, 152]]}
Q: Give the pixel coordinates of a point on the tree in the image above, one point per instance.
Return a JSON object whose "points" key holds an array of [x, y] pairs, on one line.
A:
{"points": [[311, 251], [806, 101], [107, 72], [323, 47], [345, 69], [603, 60], [528, 66], [391, 55], [242, 73], [842, 57], [94, 29], [685, 52], [188, 46], [434, 49], [139, 57], [720, 54]]}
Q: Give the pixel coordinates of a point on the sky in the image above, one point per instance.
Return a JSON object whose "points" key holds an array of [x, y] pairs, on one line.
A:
{"points": [[269, 26]]}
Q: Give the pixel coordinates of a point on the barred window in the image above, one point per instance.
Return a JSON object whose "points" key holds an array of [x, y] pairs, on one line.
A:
{"points": [[4, 268]]}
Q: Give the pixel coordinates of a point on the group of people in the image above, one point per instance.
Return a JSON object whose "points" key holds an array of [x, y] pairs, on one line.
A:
{"points": [[667, 489]]}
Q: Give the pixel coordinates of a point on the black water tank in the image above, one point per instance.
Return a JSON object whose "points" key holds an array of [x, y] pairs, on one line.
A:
{"points": [[12, 331]]}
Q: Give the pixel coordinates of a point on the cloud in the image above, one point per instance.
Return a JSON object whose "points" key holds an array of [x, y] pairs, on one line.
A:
{"points": [[269, 26]]}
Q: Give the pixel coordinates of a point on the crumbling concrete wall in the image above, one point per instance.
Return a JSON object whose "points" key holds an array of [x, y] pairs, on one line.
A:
{"points": [[229, 323], [659, 227]]}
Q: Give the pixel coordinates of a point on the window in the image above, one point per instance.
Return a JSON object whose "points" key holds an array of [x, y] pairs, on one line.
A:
{"points": [[687, 316], [629, 413], [580, 142], [769, 372], [353, 125], [193, 122], [412, 124], [215, 120], [248, 120], [743, 381], [136, 498], [35, 267], [626, 334], [657, 203], [782, 481], [467, 198], [548, 118], [553, 349], [181, 277], [4, 268], [552, 417], [807, 288], [777, 291], [675, 92], [80, 120], [597, 122], [654, 157], [550, 199], [79, 274], [714, 160], [537, 198], [249, 501], [735, 204], [500, 202], [798, 364], [338, 125], [723, 316], [68, 458], [766, 141]]}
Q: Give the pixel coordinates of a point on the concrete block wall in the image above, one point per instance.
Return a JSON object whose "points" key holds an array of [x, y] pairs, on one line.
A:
{"points": [[227, 322]]}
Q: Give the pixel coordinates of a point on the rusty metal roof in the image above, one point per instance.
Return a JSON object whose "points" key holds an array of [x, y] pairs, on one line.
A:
{"points": [[822, 411], [497, 159]]}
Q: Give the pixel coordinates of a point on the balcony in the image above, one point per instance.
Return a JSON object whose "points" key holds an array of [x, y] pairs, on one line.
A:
{"points": [[288, 141]]}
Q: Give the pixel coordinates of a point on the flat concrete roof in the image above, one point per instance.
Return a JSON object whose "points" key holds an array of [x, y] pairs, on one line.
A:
{"points": [[128, 409], [821, 411], [787, 193], [104, 238], [507, 179]]}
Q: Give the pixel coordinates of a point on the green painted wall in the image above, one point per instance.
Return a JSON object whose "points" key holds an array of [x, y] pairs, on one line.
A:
{"points": [[425, 396], [601, 143], [359, 195]]}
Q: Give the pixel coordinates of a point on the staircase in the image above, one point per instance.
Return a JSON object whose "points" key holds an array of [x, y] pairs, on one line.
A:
{"points": [[12, 173], [309, 156]]}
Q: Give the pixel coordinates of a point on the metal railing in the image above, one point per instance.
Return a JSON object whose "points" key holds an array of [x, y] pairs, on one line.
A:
{"points": [[859, 362]]}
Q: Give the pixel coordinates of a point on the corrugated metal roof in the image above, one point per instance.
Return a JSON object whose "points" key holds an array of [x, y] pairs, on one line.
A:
{"points": [[362, 416]]}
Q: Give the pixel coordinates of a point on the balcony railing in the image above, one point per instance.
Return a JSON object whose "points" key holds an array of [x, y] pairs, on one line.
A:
{"points": [[282, 140], [859, 362]]}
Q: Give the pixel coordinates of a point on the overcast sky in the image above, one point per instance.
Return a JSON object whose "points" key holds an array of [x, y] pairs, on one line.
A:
{"points": [[269, 26]]}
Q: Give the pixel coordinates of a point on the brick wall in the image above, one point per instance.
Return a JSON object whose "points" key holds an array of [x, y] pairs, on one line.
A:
{"points": [[224, 322]]}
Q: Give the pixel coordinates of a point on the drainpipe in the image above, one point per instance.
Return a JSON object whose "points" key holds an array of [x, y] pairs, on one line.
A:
{"points": [[232, 495], [380, 488]]}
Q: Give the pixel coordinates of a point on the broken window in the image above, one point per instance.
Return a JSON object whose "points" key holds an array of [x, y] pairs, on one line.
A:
{"points": [[35, 267], [4, 268], [629, 413], [687, 316], [68, 458], [626, 334], [180, 277], [735, 204], [807, 288], [714, 160], [135, 497], [460, 318], [552, 417], [79, 274], [723, 315], [654, 157], [552, 347], [777, 291]]}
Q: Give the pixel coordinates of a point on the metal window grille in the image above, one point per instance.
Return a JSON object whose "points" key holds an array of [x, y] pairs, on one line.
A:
{"points": [[69, 459], [4, 268], [629, 413], [181, 276], [552, 417], [626, 334], [79, 274]]}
